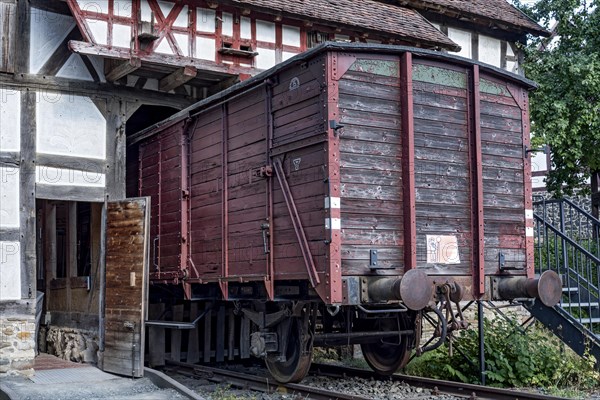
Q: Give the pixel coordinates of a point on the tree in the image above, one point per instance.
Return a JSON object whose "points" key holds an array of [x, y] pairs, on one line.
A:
{"points": [[565, 109]]}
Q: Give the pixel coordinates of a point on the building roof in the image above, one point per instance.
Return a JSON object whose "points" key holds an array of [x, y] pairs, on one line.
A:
{"points": [[496, 11], [370, 15]]}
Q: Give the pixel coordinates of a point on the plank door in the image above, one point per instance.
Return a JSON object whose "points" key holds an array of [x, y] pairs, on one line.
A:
{"points": [[127, 255]]}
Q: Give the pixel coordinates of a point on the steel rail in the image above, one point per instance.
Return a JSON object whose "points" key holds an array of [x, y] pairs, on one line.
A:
{"points": [[437, 387], [259, 383]]}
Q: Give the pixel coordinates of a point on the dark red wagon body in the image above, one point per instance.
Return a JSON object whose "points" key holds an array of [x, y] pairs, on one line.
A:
{"points": [[343, 165]]}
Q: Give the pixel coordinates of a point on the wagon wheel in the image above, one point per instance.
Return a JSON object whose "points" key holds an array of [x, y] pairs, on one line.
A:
{"points": [[298, 355], [389, 355]]}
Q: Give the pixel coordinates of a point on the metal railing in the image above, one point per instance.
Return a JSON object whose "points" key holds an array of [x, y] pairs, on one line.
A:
{"points": [[567, 241]]}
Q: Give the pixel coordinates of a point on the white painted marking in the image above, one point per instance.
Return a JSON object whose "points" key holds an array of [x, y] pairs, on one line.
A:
{"points": [[10, 270], [68, 177], [528, 214], [333, 223], [529, 231], [10, 123], [332, 202], [9, 197], [442, 249]]}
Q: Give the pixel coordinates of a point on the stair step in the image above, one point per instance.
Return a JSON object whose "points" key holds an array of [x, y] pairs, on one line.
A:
{"points": [[570, 289], [580, 305], [590, 320]]}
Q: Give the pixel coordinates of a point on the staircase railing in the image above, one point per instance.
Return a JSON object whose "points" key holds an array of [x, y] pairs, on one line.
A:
{"points": [[567, 241]]}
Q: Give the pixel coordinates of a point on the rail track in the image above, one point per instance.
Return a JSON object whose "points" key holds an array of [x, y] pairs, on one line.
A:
{"points": [[268, 385]]}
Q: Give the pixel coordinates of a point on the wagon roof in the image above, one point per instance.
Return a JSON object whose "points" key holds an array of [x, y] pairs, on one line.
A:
{"points": [[202, 105], [372, 15], [482, 12]]}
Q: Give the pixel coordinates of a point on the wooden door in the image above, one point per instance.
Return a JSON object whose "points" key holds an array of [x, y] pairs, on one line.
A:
{"points": [[127, 255]]}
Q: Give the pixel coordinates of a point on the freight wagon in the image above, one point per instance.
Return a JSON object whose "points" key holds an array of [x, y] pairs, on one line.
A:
{"points": [[341, 197]]}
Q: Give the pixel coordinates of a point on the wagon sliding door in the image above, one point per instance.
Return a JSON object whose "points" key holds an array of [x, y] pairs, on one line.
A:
{"points": [[126, 286]]}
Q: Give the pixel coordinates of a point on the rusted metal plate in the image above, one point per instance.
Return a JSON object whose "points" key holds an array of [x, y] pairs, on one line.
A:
{"points": [[127, 253]]}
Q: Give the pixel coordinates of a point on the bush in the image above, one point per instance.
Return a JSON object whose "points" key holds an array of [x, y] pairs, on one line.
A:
{"points": [[513, 359]]}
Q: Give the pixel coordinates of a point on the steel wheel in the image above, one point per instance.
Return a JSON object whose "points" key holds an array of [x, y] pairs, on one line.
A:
{"points": [[387, 356], [297, 363]]}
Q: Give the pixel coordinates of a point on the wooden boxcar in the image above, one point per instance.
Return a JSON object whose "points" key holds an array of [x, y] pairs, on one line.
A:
{"points": [[369, 179]]}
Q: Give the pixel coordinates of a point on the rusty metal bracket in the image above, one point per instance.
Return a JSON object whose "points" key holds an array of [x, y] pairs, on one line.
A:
{"points": [[291, 205]]}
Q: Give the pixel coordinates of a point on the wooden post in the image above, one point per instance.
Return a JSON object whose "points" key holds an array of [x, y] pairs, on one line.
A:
{"points": [[156, 337], [193, 353], [27, 194]]}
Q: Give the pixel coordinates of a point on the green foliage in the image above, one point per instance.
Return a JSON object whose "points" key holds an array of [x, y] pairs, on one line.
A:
{"points": [[513, 359], [565, 110]]}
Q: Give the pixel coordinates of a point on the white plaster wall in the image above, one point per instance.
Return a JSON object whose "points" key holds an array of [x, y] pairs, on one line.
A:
{"points": [[70, 125], [9, 197], [74, 68], [246, 28], [286, 54], [227, 24], [489, 50], [265, 31], [99, 30], [68, 177], [205, 20], [99, 6], [265, 58], [463, 39], [165, 7], [145, 11], [123, 8], [182, 19], [291, 36], [10, 122], [164, 47], [511, 66], [205, 48], [183, 42], [122, 36], [47, 31], [10, 271]]}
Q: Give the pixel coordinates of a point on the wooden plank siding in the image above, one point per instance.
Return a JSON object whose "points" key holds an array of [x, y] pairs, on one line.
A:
{"points": [[442, 180], [503, 163], [334, 128], [371, 167]]}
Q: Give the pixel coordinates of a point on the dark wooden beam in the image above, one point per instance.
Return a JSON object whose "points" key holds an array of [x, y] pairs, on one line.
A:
{"points": [[123, 69], [94, 89], [77, 163], [69, 193], [60, 55], [90, 67], [177, 78], [156, 58]]}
